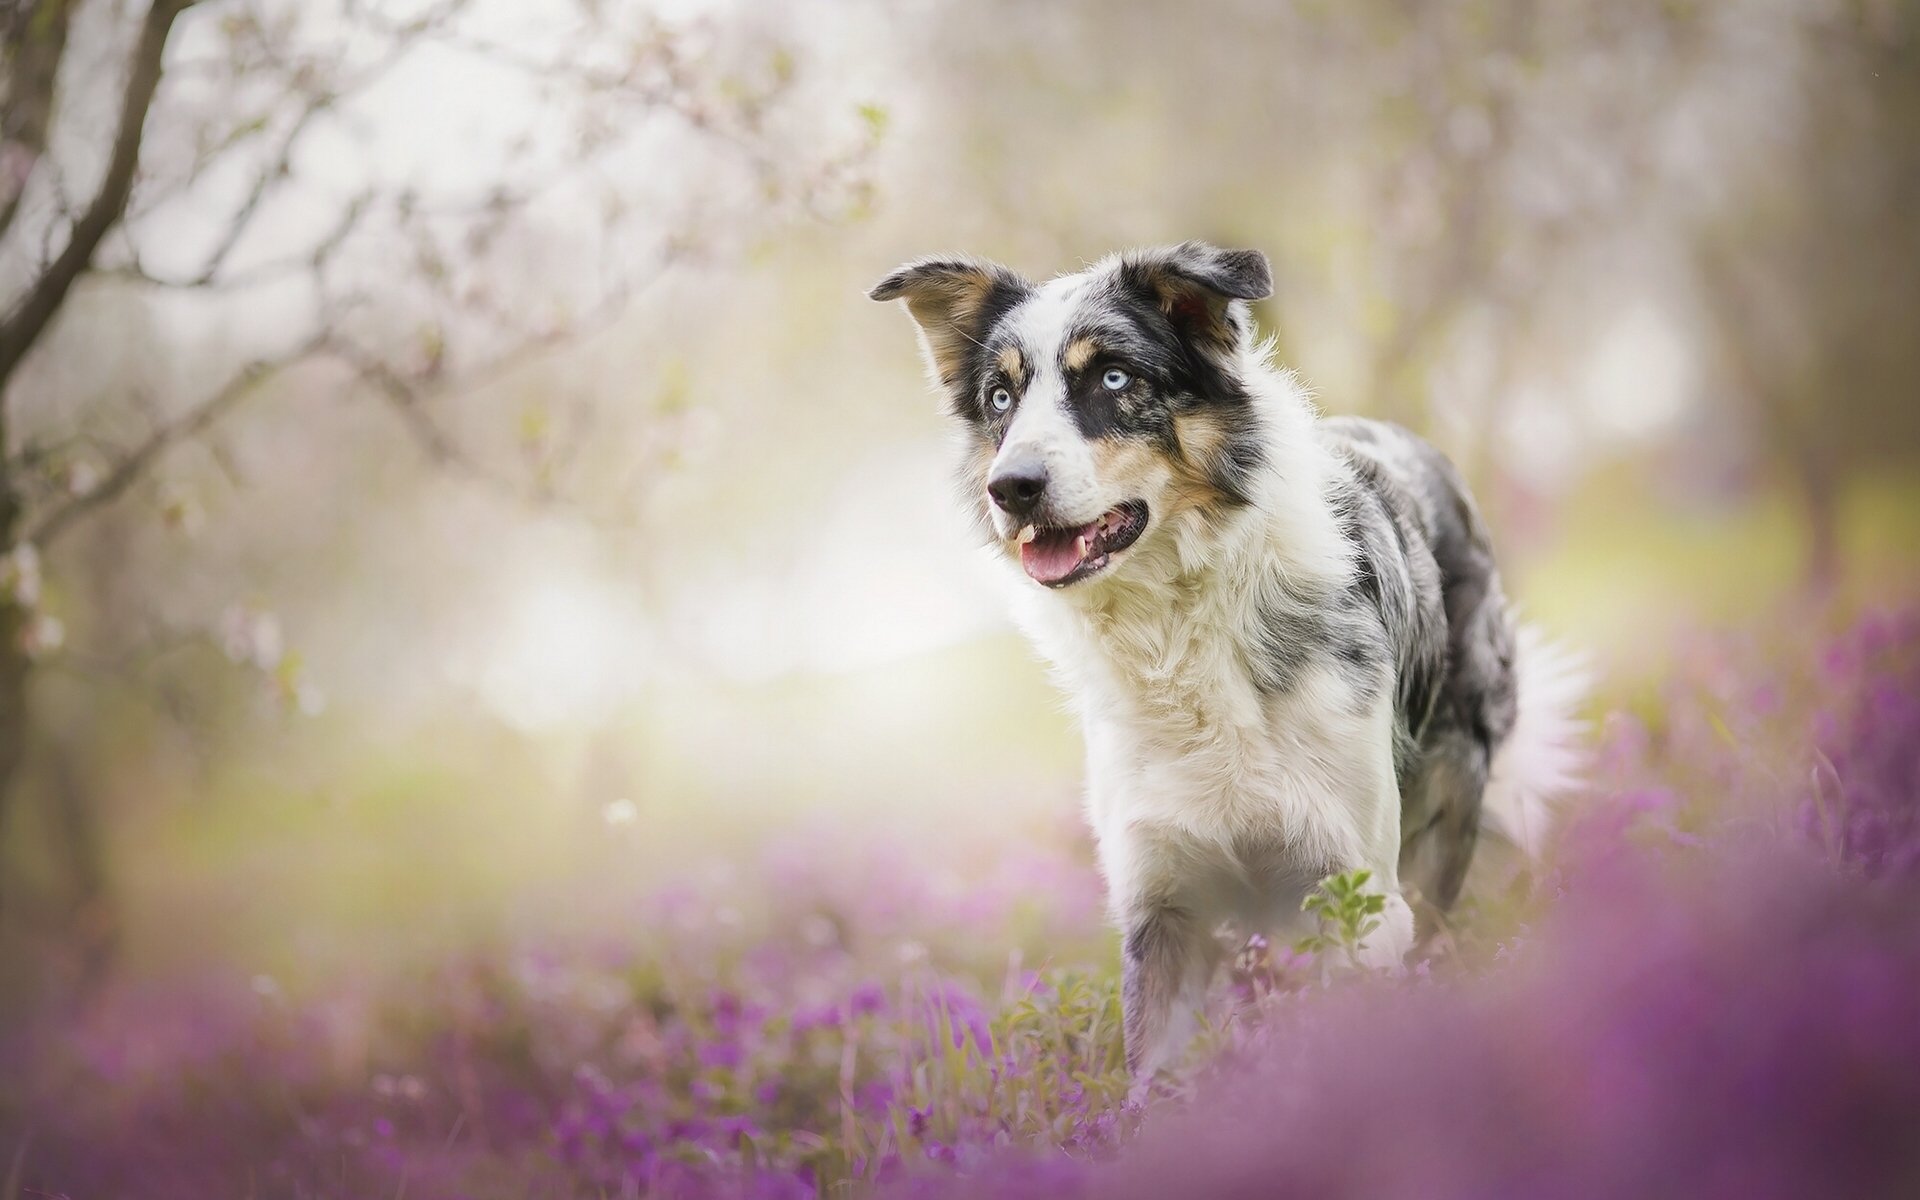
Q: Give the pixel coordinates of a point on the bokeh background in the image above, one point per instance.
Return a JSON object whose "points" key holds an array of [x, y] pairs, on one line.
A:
{"points": [[461, 486]]}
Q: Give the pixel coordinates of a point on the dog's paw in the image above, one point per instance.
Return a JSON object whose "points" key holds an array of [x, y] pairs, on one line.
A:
{"points": [[1387, 946]]}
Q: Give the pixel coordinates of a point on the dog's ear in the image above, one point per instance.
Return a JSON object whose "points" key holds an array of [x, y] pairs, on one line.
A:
{"points": [[953, 300], [1202, 288]]}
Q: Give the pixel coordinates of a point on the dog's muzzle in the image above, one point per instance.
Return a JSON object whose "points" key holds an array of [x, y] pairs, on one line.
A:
{"points": [[1059, 555]]}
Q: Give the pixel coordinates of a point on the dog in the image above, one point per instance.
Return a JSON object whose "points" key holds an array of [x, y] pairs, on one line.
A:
{"points": [[1284, 636]]}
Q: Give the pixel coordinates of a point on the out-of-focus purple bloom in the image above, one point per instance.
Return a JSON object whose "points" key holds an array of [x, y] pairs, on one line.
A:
{"points": [[726, 1055], [952, 1008], [1708, 992], [873, 1096], [1749, 1028], [814, 1017]]}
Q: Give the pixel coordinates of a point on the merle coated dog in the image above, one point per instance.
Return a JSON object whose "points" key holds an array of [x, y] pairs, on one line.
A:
{"points": [[1284, 636]]}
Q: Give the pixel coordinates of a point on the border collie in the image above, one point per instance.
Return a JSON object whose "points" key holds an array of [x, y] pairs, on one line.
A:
{"points": [[1284, 636]]}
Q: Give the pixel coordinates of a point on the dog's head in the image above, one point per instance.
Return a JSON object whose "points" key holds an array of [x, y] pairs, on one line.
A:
{"points": [[1101, 407]]}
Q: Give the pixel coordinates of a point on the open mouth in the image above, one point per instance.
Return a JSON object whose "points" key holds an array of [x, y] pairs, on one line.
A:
{"points": [[1064, 555]]}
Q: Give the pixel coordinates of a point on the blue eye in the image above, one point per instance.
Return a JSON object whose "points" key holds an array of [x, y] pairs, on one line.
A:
{"points": [[1115, 379], [1002, 399]]}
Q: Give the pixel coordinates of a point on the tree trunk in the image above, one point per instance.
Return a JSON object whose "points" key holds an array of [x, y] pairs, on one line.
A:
{"points": [[47, 294], [14, 672], [34, 42], [92, 930], [1819, 487], [36, 38]]}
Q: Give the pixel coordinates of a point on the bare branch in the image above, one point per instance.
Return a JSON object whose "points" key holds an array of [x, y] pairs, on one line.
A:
{"points": [[413, 395], [277, 169], [36, 40], [23, 327], [192, 423], [260, 274], [279, 164], [409, 401], [412, 399]]}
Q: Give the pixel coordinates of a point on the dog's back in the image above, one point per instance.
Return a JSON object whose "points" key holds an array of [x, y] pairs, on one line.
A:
{"points": [[1428, 563]]}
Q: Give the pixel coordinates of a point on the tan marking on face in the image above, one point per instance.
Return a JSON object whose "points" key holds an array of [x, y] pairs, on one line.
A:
{"points": [[1203, 441], [1013, 364], [1129, 467], [1080, 353]]}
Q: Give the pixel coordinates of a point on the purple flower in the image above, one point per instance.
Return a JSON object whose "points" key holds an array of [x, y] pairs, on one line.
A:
{"points": [[873, 1096], [724, 1055], [869, 999], [1708, 991]]}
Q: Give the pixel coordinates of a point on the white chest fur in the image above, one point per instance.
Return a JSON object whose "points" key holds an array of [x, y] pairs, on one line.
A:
{"points": [[1196, 778]]}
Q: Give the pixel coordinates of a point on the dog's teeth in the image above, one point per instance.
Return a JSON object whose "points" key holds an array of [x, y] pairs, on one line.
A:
{"points": [[1026, 535], [1080, 546]]}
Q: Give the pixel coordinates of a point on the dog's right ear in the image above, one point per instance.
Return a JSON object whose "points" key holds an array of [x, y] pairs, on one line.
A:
{"points": [[954, 301], [1203, 289]]}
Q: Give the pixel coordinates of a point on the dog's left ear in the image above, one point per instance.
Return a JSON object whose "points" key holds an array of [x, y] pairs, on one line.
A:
{"points": [[1202, 288], [952, 299]]}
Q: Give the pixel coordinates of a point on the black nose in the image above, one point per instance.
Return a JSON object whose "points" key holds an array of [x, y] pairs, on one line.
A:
{"points": [[1018, 486]]}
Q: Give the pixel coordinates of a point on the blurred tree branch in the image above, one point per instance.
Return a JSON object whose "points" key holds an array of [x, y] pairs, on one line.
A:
{"points": [[395, 285], [33, 42], [1809, 281], [1489, 249], [196, 420], [30, 101], [23, 326]]}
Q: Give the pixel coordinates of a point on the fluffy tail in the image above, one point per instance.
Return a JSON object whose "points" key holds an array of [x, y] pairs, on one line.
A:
{"points": [[1543, 759]]}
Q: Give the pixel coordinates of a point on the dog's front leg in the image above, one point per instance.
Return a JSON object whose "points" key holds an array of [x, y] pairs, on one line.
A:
{"points": [[1169, 956], [1387, 945]]}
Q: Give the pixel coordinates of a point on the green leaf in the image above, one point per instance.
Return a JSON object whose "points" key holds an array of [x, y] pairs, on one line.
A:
{"points": [[876, 116]]}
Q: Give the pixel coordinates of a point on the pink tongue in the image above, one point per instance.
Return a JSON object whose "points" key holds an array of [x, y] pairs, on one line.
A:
{"points": [[1051, 558]]}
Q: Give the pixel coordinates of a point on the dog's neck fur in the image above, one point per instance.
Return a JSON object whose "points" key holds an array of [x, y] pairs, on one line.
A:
{"points": [[1177, 615]]}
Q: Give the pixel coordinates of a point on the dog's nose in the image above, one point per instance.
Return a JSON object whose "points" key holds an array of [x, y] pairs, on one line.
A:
{"points": [[1018, 486]]}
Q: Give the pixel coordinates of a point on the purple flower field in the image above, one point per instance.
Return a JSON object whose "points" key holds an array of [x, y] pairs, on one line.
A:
{"points": [[1711, 989]]}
